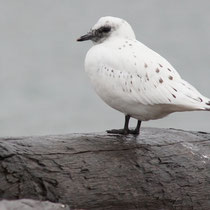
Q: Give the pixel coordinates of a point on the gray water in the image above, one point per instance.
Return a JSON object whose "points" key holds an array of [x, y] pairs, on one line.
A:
{"points": [[43, 86]]}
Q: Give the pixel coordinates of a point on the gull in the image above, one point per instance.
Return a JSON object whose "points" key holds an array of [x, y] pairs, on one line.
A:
{"points": [[133, 79]]}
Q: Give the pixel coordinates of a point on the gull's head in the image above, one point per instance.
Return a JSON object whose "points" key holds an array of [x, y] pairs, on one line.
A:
{"points": [[107, 28]]}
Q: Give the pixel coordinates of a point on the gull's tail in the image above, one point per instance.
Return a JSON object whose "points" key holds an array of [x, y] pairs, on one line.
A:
{"points": [[193, 98], [207, 107], [204, 104]]}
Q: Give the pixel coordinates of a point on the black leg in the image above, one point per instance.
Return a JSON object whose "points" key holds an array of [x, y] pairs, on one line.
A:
{"points": [[127, 118], [137, 129], [123, 131], [126, 130]]}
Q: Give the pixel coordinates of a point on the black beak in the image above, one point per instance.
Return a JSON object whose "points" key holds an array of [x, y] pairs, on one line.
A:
{"points": [[86, 37]]}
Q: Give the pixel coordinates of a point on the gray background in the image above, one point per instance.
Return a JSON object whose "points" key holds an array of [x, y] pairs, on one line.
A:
{"points": [[43, 86]]}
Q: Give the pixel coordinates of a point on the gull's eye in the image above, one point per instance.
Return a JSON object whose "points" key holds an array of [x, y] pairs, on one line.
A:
{"points": [[104, 29]]}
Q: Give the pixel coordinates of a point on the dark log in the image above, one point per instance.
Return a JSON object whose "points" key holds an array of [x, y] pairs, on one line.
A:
{"points": [[27, 204], [162, 169]]}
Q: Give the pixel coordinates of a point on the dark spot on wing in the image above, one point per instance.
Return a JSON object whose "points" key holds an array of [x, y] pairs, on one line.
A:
{"points": [[175, 89], [200, 99], [160, 80], [173, 95], [157, 70], [160, 65], [170, 77], [169, 69], [138, 76], [147, 77], [145, 65]]}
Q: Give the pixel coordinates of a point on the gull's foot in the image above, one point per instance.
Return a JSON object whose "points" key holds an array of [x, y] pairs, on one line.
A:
{"points": [[118, 131], [134, 132]]}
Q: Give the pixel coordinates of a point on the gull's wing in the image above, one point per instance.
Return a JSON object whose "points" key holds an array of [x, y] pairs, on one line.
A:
{"points": [[138, 74]]}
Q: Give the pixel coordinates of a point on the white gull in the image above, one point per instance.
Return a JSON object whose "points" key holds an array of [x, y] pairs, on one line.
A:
{"points": [[133, 79]]}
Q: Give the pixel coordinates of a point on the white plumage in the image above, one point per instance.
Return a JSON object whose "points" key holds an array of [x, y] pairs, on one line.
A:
{"points": [[134, 79]]}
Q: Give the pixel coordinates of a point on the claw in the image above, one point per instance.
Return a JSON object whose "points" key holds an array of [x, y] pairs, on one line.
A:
{"points": [[134, 132], [123, 131]]}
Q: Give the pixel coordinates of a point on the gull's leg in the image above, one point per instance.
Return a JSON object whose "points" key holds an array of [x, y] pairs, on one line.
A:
{"points": [[123, 131], [137, 129]]}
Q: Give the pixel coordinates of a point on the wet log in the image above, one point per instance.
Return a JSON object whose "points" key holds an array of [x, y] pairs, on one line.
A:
{"points": [[160, 169]]}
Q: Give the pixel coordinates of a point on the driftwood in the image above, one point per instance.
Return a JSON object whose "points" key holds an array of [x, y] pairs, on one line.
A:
{"points": [[162, 169]]}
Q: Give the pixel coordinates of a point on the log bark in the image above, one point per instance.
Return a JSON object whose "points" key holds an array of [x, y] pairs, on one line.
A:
{"points": [[160, 169]]}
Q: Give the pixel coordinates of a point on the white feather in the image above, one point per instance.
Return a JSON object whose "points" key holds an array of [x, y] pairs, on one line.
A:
{"points": [[135, 80]]}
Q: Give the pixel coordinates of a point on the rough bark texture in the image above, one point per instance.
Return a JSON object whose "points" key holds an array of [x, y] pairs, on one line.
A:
{"points": [[27, 204], [161, 169]]}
